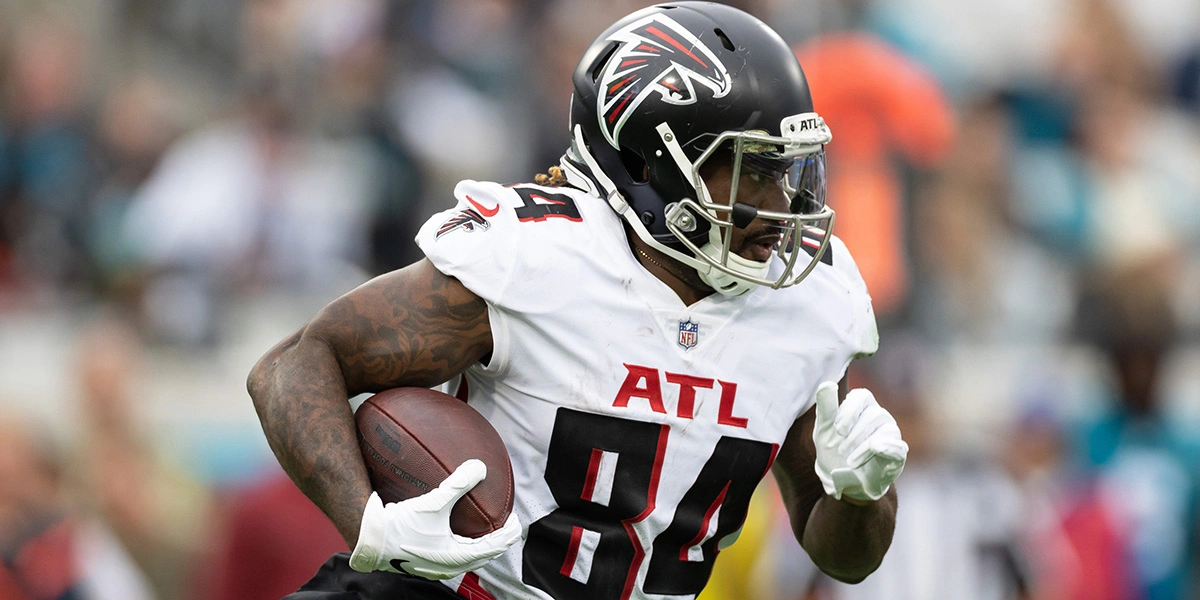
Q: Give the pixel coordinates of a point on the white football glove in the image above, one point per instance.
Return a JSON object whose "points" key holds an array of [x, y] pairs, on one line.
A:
{"points": [[416, 532], [859, 450]]}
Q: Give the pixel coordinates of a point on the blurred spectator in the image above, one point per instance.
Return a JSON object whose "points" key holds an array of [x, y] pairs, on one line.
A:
{"points": [[153, 505], [134, 129], [885, 109], [268, 541], [1096, 47], [357, 66], [49, 550], [982, 278], [1146, 463], [1187, 80], [306, 187], [480, 39], [45, 155], [460, 93], [248, 203], [959, 216], [1097, 146], [1145, 191], [1076, 549]]}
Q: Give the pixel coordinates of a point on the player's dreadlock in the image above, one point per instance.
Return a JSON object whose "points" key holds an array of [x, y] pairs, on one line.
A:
{"points": [[554, 177]]}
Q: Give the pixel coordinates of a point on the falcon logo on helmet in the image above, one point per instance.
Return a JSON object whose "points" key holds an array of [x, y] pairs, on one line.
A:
{"points": [[656, 55]]}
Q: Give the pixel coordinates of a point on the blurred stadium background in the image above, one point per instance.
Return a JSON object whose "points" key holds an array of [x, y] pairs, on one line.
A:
{"points": [[184, 182]]}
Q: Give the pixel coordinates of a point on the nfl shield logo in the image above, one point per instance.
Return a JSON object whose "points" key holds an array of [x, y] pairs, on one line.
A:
{"points": [[689, 333]]}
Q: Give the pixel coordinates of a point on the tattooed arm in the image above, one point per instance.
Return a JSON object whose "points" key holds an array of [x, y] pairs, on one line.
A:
{"points": [[412, 327]]}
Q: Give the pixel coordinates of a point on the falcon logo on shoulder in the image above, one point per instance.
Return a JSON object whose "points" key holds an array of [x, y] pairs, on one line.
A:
{"points": [[467, 219], [659, 56]]}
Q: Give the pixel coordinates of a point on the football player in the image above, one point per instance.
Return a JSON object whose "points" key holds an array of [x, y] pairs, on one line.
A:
{"points": [[652, 329]]}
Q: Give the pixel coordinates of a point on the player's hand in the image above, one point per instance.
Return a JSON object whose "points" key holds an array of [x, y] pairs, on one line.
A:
{"points": [[859, 450], [414, 535]]}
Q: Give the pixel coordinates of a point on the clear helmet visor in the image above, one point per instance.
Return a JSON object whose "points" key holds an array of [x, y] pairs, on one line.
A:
{"points": [[800, 178]]}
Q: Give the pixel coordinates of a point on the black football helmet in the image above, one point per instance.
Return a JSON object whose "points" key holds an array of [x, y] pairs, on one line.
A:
{"points": [[669, 87]]}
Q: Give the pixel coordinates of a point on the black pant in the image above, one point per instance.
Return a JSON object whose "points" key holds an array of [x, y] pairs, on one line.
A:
{"points": [[335, 580]]}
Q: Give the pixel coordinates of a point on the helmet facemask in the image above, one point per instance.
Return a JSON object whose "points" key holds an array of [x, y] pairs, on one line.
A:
{"points": [[796, 162]]}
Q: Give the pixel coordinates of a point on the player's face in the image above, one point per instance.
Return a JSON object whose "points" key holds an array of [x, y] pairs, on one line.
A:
{"points": [[758, 240]]}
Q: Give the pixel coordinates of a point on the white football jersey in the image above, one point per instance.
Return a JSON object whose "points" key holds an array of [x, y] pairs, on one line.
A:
{"points": [[638, 427]]}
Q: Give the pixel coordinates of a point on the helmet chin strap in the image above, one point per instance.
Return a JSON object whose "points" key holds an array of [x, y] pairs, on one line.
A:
{"points": [[608, 190], [599, 183], [725, 283]]}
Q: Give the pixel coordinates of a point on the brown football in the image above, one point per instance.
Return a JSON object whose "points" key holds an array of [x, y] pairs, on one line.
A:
{"points": [[413, 438]]}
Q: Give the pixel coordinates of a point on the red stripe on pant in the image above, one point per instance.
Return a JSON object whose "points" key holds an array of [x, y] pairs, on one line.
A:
{"points": [[572, 552]]}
